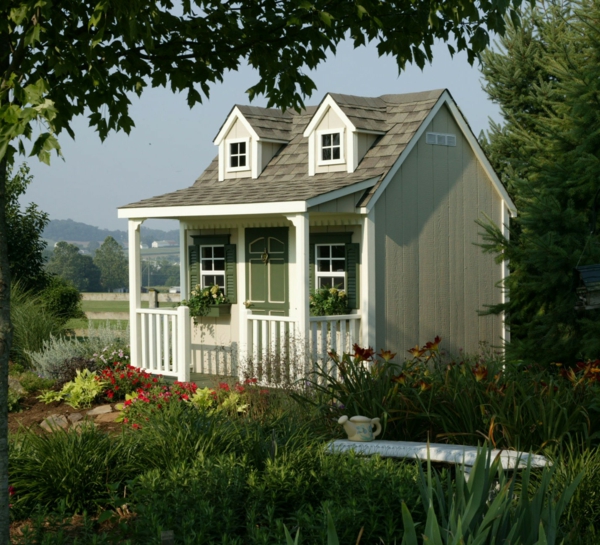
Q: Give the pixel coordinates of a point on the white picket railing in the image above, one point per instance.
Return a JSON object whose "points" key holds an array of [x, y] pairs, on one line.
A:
{"points": [[333, 333], [275, 344], [269, 335], [165, 341]]}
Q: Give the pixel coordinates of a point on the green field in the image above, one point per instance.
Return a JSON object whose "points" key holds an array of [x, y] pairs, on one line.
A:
{"points": [[84, 324], [116, 306]]}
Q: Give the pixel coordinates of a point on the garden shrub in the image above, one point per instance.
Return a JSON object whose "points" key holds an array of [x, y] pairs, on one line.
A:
{"points": [[78, 393], [59, 357], [233, 495], [461, 401], [76, 467], [34, 383], [33, 324], [62, 299]]}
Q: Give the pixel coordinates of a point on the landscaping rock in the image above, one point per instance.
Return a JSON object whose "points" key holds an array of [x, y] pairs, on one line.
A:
{"points": [[102, 409], [75, 417], [54, 422], [15, 385], [107, 417], [82, 424]]}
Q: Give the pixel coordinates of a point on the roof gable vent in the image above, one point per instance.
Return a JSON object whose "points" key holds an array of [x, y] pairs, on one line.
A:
{"points": [[438, 139]]}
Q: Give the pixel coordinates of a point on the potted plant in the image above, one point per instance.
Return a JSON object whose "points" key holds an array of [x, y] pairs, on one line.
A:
{"points": [[209, 301]]}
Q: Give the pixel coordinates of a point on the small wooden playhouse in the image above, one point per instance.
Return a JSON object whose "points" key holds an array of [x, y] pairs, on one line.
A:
{"points": [[378, 196]]}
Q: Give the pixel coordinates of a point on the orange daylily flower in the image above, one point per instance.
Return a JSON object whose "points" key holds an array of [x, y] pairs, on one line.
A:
{"points": [[433, 346], [480, 372], [386, 355], [400, 379], [425, 385], [415, 351], [363, 353]]}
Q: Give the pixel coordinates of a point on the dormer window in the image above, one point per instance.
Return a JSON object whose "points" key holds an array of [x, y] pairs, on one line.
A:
{"points": [[238, 155], [331, 147]]}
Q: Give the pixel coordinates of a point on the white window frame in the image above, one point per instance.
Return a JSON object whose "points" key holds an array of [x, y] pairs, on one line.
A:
{"points": [[320, 160], [330, 274], [214, 272], [228, 154]]}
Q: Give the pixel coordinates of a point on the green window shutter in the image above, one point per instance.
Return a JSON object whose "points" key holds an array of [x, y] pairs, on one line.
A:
{"points": [[311, 267], [194, 269], [352, 274], [231, 272]]}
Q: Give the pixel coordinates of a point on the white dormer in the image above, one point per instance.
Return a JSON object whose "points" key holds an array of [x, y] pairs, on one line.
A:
{"points": [[242, 152], [334, 143]]}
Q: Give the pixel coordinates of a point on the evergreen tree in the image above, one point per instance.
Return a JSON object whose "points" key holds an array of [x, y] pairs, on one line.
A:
{"points": [[111, 260], [545, 79]]}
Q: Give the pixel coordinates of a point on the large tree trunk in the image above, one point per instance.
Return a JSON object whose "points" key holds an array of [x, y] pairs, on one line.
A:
{"points": [[5, 341]]}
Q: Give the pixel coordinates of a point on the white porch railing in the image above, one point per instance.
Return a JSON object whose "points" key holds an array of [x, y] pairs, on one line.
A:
{"points": [[276, 349], [272, 346], [333, 333], [165, 341]]}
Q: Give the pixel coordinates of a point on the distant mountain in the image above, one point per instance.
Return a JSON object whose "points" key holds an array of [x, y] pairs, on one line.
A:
{"points": [[82, 232]]}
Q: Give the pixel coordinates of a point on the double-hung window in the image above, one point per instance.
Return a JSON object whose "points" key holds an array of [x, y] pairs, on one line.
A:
{"points": [[212, 266], [212, 260], [335, 263], [330, 269]]}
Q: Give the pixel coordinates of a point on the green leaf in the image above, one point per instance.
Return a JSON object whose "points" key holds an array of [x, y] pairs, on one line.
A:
{"points": [[332, 538], [410, 534], [325, 17]]}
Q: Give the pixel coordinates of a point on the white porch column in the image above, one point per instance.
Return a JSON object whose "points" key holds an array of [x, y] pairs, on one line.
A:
{"points": [[135, 296], [299, 289], [183, 261], [367, 281], [242, 355]]}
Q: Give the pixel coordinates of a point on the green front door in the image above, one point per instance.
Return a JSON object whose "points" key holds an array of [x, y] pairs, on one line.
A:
{"points": [[267, 270]]}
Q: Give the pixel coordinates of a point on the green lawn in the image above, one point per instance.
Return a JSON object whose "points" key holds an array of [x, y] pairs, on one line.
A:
{"points": [[116, 306], [84, 323]]}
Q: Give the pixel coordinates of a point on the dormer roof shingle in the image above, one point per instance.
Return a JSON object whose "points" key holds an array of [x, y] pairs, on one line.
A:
{"points": [[286, 177]]}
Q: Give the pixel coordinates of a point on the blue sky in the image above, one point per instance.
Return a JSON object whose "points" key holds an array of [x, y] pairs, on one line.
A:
{"points": [[171, 145]]}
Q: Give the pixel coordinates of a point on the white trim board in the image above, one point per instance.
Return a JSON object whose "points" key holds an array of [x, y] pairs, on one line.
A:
{"points": [[342, 192], [231, 119], [318, 116], [175, 212], [445, 99]]}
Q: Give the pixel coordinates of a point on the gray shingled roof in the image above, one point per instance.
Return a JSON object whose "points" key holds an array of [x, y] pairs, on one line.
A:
{"points": [[286, 176]]}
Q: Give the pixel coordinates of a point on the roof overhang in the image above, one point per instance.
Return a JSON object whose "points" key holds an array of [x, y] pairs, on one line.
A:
{"points": [[445, 99], [342, 192], [177, 212]]}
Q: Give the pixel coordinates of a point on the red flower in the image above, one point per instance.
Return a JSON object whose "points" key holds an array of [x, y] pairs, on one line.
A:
{"points": [[224, 386], [11, 490], [251, 381], [363, 353], [239, 388], [136, 426], [110, 394]]}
